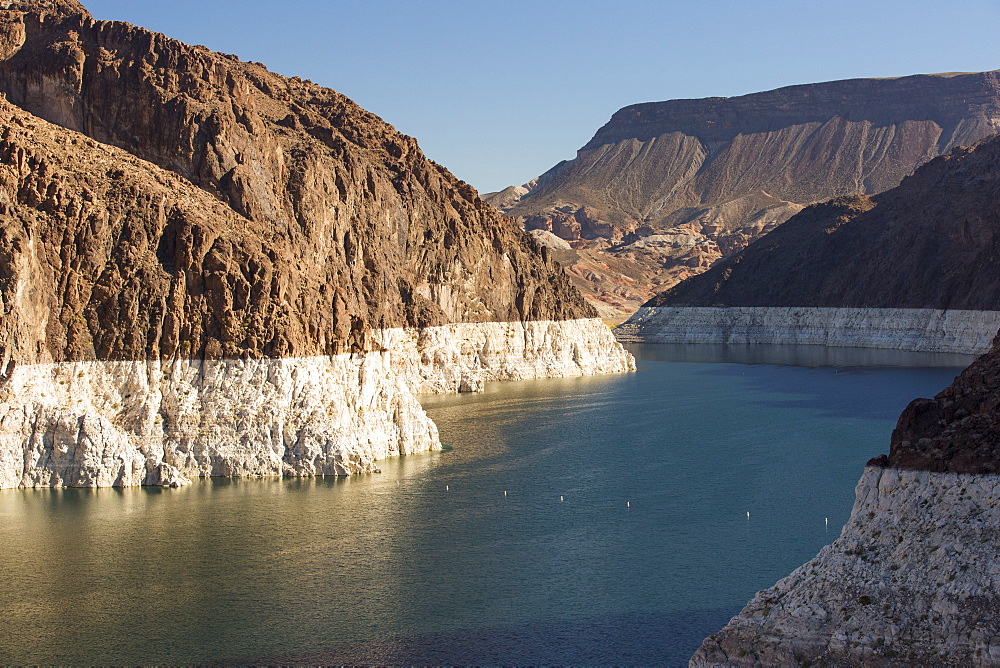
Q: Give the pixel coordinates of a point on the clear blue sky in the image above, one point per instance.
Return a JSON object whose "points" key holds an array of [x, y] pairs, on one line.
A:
{"points": [[500, 91]]}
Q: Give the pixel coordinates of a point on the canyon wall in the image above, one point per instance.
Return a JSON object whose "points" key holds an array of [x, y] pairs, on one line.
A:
{"points": [[856, 264], [666, 189], [210, 269], [911, 580], [925, 330]]}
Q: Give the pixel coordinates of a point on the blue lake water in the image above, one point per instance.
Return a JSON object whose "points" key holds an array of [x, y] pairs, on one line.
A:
{"points": [[597, 520]]}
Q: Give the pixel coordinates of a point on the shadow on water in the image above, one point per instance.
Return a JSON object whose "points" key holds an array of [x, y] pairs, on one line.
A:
{"points": [[648, 640], [598, 520], [836, 382]]}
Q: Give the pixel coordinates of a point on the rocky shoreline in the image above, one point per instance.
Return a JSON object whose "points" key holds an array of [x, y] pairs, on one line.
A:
{"points": [[914, 575], [923, 330], [209, 269], [912, 580], [163, 422]]}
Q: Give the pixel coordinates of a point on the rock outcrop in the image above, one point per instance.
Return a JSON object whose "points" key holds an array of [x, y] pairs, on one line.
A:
{"points": [[930, 243], [669, 188], [913, 577], [210, 269]]}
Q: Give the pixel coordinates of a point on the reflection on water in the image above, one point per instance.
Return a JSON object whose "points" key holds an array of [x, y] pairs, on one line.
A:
{"points": [[811, 356], [583, 520]]}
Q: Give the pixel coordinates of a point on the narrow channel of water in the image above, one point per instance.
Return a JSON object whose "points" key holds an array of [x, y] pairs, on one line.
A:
{"points": [[597, 520]]}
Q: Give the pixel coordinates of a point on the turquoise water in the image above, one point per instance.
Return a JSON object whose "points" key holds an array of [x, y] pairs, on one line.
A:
{"points": [[593, 520]]}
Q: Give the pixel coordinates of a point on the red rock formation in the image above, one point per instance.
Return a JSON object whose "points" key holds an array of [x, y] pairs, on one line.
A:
{"points": [[958, 431]]}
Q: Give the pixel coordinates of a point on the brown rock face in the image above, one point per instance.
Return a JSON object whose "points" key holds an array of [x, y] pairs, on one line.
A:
{"points": [[958, 431], [105, 256], [680, 184], [310, 221], [932, 242]]}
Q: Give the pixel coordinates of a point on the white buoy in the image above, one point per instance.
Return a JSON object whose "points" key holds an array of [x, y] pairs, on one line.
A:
{"points": [[560, 498], [628, 504], [446, 488], [826, 521], [748, 514], [505, 492]]}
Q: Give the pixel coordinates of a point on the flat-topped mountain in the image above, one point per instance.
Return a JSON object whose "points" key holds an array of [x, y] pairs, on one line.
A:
{"points": [[932, 242], [210, 269], [674, 186]]}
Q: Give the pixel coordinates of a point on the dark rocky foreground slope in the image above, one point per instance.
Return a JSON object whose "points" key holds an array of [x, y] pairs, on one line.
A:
{"points": [[912, 579], [913, 267], [931, 242], [670, 187], [210, 269]]}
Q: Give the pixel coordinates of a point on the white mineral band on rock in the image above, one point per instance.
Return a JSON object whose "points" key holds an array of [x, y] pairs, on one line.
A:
{"points": [[162, 422], [923, 330]]}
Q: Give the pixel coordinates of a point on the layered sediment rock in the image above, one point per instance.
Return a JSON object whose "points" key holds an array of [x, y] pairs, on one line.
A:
{"points": [[162, 422], [925, 330], [232, 290], [669, 188], [913, 578]]}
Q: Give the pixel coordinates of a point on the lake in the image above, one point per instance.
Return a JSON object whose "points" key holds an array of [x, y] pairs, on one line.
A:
{"points": [[599, 520]]}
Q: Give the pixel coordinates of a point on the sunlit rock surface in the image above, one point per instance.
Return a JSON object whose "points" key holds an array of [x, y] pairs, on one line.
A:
{"points": [[205, 268]]}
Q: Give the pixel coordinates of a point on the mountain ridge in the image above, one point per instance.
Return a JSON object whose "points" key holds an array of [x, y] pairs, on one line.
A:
{"points": [[928, 243], [669, 188], [289, 154]]}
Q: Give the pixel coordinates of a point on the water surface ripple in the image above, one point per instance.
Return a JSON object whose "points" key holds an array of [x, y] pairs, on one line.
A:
{"points": [[597, 520]]}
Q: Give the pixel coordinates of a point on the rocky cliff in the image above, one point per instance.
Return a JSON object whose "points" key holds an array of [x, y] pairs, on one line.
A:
{"points": [[913, 577], [929, 244], [671, 187], [210, 269]]}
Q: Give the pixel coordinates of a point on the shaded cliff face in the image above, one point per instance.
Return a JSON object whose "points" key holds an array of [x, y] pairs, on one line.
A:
{"points": [[932, 242], [958, 431], [320, 223], [675, 186]]}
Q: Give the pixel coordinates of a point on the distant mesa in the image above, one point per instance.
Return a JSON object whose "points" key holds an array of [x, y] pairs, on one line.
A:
{"points": [[667, 189], [932, 242]]}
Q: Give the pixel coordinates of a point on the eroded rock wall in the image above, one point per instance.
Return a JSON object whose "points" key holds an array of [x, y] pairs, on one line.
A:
{"points": [[153, 422], [207, 269], [462, 357], [163, 422], [387, 237], [100, 424]]}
